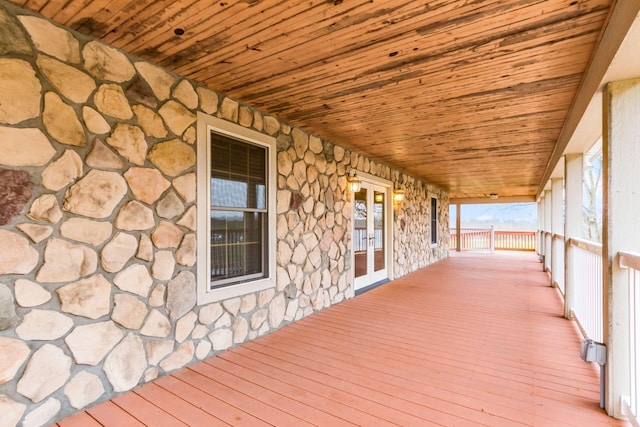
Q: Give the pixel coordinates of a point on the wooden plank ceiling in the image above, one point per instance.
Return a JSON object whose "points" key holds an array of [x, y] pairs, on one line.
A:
{"points": [[467, 94]]}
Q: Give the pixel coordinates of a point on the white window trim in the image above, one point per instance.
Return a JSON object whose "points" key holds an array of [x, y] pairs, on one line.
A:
{"points": [[206, 124], [433, 196]]}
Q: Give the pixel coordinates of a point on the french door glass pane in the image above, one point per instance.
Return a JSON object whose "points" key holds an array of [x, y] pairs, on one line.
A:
{"points": [[360, 232], [378, 231]]}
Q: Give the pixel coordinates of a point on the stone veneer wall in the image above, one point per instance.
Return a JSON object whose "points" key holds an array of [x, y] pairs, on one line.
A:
{"points": [[98, 223]]}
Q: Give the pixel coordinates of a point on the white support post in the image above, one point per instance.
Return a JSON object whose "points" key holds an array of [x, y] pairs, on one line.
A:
{"points": [[621, 209], [540, 225], [458, 231], [573, 170], [548, 243], [557, 227]]}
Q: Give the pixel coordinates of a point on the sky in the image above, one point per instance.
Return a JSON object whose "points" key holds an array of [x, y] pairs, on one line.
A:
{"points": [[503, 216]]}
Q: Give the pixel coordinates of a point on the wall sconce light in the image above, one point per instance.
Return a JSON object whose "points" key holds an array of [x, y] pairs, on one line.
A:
{"points": [[493, 196], [398, 195], [354, 182]]}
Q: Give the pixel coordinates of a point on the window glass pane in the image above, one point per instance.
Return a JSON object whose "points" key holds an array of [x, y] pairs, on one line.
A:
{"points": [[237, 244], [238, 174]]}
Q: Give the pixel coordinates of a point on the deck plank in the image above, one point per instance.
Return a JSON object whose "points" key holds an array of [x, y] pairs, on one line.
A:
{"points": [[476, 340]]}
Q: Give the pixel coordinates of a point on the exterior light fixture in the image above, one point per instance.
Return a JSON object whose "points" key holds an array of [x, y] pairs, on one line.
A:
{"points": [[398, 195], [493, 196], [354, 182]]}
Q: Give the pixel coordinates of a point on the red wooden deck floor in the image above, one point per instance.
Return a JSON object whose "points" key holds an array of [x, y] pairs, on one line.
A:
{"points": [[476, 340]]}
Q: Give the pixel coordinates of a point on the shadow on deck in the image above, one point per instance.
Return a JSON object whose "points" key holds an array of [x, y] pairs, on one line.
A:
{"points": [[477, 339]]}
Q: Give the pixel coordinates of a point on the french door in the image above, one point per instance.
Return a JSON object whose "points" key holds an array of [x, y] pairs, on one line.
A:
{"points": [[370, 244]]}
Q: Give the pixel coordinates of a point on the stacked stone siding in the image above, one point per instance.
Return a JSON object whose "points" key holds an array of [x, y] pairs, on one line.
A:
{"points": [[98, 223]]}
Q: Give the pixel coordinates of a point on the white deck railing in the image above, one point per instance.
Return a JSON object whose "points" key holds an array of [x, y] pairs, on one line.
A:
{"points": [[489, 239], [631, 261], [586, 260]]}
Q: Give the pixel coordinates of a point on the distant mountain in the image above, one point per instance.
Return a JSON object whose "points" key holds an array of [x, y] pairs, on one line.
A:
{"points": [[503, 216]]}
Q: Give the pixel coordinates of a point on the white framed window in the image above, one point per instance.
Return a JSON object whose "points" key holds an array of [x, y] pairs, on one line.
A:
{"points": [[433, 200], [236, 197]]}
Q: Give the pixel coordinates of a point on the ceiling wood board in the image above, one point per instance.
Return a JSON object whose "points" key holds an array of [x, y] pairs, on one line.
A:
{"points": [[468, 95]]}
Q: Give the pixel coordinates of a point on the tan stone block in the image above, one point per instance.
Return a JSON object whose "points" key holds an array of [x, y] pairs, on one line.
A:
{"points": [[128, 311], [248, 303], [186, 253], [271, 125], [170, 206], [89, 344], [232, 305], [166, 235], [223, 322], [203, 349], [95, 195], [245, 117], [135, 216], [30, 294], [177, 117], [43, 325], [229, 110], [159, 80], [145, 248], [300, 141], [24, 147], [61, 121], [72, 83], [146, 184], [185, 185], [158, 350], [118, 252], [258, 122], [181, 294], [221, 339], [258, 318], [190, 135], [111, 100], [62, 171], [12, 37], [172, 157], [43, 414], [185, 325], [94, 121], [103, 158], [189, 219], [180, 358], [156, 299], [126, 363], [52, 39], [13, 354], [18, 105], [86, 231], [45, 208], [240, 330], [185, 93], [157, 325], [134, 279], [16, 255], [107, 63], [89, 297], [210, 313], [130, 143], [199, 332], [46, 372], [83, 389], [151, 122], [208, 100], [36, 232], [66, 262], [163, 266], [11, 411]]}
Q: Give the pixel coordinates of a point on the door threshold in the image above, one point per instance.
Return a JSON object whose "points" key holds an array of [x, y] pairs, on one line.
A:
{"points": [[371, 286]]}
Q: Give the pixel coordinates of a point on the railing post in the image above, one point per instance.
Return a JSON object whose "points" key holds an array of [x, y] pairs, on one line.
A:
{"points": [[458, 232]]}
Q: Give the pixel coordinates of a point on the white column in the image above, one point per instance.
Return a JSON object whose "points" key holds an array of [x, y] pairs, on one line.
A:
{"points": [[572, 223], [557, 227], [458, 232], [548, 253], [540, 247], [621, 210]]}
